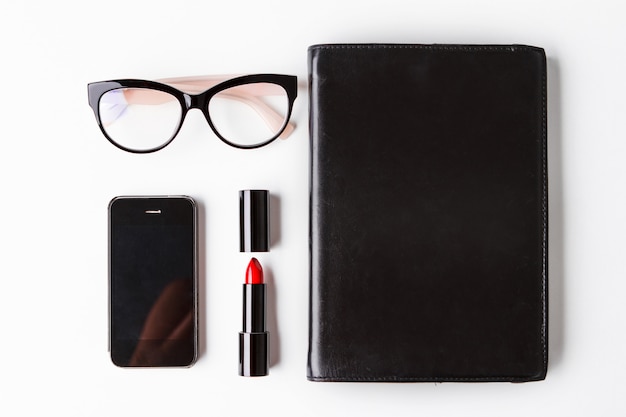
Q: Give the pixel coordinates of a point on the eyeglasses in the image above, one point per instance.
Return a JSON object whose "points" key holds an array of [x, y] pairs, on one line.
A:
{"points": [[246, 112]]}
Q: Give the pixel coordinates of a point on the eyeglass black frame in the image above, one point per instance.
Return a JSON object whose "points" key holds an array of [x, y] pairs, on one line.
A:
{"points": [[198, 101]]}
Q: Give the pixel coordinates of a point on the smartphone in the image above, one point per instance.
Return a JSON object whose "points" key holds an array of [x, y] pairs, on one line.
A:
{"points": [[153, 301]]}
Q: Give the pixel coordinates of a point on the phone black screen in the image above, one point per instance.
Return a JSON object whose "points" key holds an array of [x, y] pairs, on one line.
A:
{"points": [[152, 281]]}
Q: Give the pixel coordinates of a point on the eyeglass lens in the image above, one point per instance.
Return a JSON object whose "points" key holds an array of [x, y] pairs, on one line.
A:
{"points": [[139, 118], [142, 119]]}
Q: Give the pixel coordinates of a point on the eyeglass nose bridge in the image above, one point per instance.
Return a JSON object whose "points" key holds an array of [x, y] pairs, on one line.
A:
{"points": [[191, 101], [197, 101], [200, 102]]}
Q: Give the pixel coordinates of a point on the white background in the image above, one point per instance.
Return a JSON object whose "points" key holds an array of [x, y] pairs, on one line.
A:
{"points": [[58, 174]]}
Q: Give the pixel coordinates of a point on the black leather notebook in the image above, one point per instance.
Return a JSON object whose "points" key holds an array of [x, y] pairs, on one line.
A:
{"points": [[428, 231]]}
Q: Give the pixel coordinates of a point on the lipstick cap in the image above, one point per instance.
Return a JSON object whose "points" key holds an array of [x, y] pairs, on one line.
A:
{"points": [[254, 221]]}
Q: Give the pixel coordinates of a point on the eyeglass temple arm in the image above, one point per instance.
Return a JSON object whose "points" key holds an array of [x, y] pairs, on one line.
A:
{"points": [[247, 94]]}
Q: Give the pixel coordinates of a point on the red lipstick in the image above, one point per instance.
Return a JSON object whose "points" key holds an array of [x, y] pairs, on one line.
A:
{"points": [[254, 339], [254, 273]]}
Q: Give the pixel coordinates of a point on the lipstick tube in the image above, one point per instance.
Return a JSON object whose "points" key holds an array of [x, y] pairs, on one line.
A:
{"points": [[254, 339]]}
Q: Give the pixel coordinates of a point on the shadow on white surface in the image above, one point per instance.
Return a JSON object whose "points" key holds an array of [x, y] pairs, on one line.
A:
{"points": [[556, 265]]}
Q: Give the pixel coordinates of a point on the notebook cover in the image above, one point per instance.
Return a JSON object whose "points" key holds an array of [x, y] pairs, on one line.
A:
{"points": [[428, 213]]}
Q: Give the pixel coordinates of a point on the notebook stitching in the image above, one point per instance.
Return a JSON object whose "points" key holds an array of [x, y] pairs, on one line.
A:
{"points": [[544, 289], [465, 48], [426, 379]]}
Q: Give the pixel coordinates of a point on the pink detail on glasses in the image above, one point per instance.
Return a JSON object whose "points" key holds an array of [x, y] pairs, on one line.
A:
{"points": [[248, 94]]}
